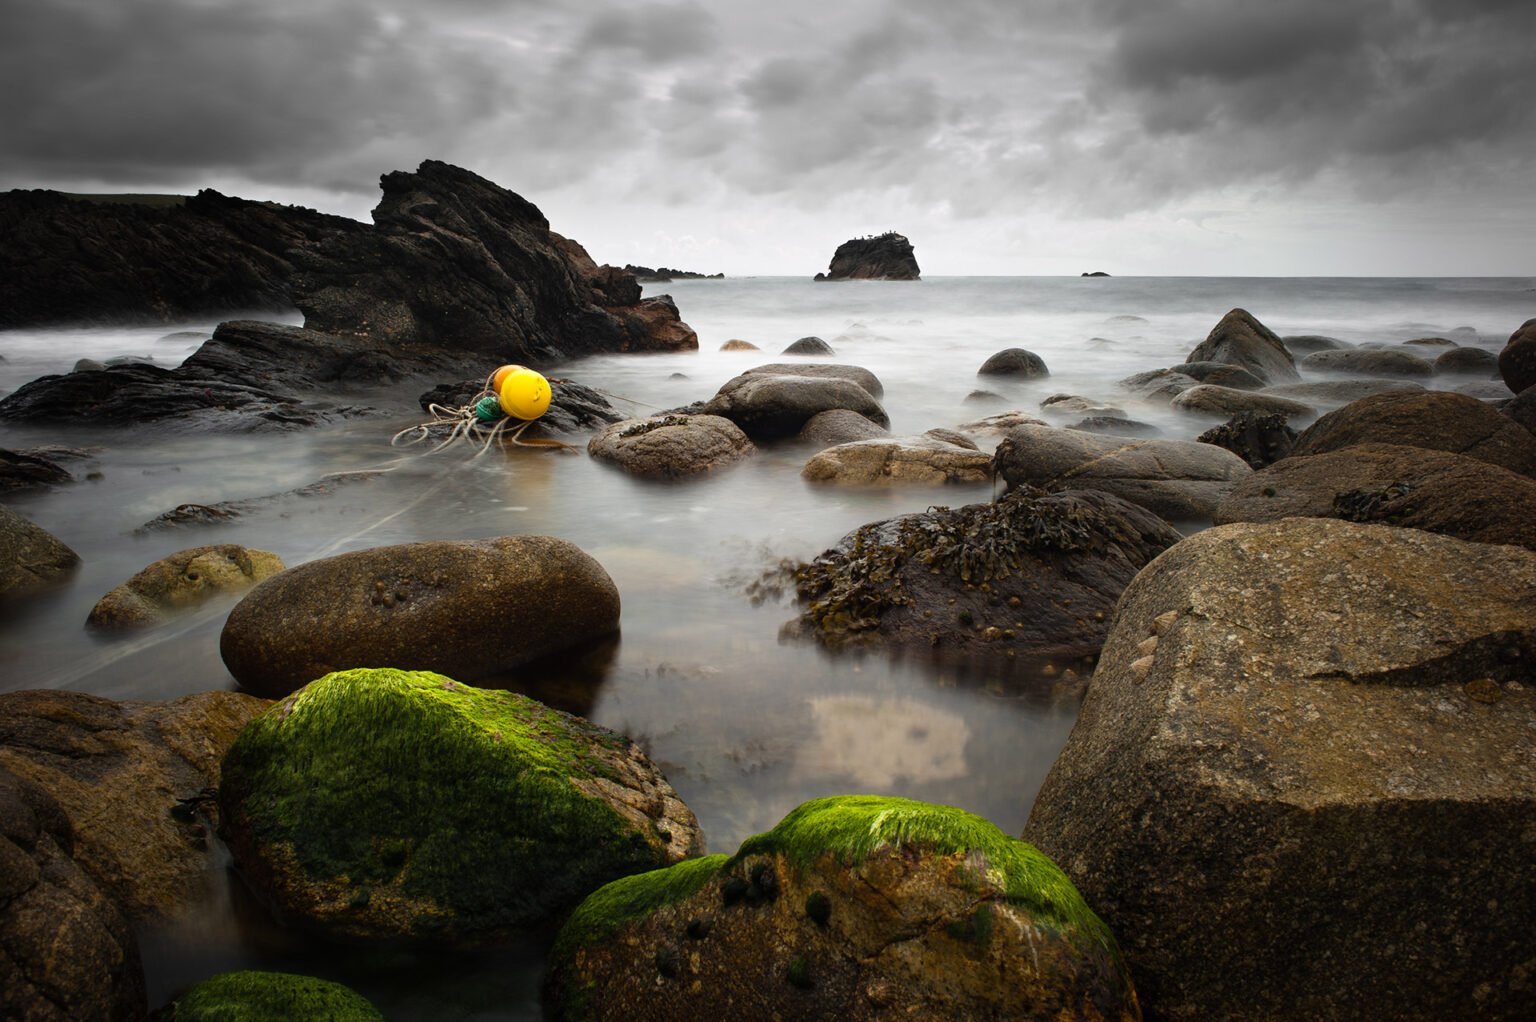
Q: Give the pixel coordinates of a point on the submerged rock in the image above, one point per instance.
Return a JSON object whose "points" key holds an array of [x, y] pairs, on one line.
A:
{"points": [[671, 446], [1436, 420], [853, 907], [1241, 340], [1220, 374], [393, 804], [1178, 479], [888, 256], [31, 557], [1409, 487], [66, 951], [181, 580], [1158, 385], [470, 607], [237, 996], [135, 779], [1301, 785], [1031, 574], [896, 461]]}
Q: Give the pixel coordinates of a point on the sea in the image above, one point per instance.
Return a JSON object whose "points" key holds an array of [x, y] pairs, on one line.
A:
{"points": [[745, 724]]}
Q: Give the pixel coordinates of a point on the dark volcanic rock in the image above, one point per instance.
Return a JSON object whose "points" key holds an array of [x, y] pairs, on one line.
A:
{"points": [[1031, 574], [1409, 487], [1239, 339], [1301, 785], [74, 261], [66, 951], [1435, 419], [1258, 439], [884, 257], [1517, 362], [457, 262]]}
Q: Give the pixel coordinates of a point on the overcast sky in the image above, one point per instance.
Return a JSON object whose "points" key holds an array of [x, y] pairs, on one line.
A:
{"points": [[1246, 137]]}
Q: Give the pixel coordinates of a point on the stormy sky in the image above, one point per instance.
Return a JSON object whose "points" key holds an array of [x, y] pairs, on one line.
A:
{"points": [[1244, 137]]}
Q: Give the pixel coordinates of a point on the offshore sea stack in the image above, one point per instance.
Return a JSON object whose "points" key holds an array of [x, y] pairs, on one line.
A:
{"points": [[886, 256]]}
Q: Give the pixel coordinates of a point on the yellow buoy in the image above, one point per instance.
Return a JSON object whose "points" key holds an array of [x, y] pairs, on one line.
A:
{"points": [[523, 393], [500, 375]]}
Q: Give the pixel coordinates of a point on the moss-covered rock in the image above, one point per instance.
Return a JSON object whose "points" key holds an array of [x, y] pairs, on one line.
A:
{"points": [[251, 996], [856, 907], [183, 579], [385, 803]]}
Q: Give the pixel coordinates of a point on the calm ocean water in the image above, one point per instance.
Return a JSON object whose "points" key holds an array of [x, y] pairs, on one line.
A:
{"points": [[744, 726]]}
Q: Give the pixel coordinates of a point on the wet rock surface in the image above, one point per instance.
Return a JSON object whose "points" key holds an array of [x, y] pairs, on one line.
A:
{"points": [[1302, 776], [31, 558], [20, 470], [1014, 362], [769, 406], [181, 580], [838, 426], [1436, 420], [896, 461], [671, 446]]}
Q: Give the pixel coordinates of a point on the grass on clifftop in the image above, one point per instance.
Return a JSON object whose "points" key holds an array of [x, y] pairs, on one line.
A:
{"points": [[412, 781], [264, 996]]}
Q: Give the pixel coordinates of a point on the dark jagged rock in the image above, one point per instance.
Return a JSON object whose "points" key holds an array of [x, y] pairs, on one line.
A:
{"points": [[457, 262], [20, 470], [666, 274], [1517, 362], [886, 256], [1258, 439], [1031, 574], [70, 260], [1241, 340]]}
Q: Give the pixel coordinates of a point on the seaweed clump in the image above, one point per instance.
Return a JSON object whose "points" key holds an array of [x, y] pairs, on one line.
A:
{"points": [[1366, 506], [848, 588]]}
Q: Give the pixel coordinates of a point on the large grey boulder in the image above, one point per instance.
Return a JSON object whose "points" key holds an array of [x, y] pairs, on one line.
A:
{"points": [[1302, 783], [471, 607], [31, 557], [768, 406], [1177, 479], [671, 446], [837, 371], [896, 461], [1409, 487], [1241, 340], [1437, 420]]}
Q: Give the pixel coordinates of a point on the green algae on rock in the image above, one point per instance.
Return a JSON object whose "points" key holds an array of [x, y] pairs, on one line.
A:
{"points": [[383, 803], [182, 579], [251, 996], [853, 907]]}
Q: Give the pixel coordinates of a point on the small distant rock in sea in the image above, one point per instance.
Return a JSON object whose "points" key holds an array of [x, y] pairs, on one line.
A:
{"points": [[1095, 273], [666, 274], [887, 256]]}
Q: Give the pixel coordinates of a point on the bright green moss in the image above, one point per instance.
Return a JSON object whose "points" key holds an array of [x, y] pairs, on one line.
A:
{"points": [[852, 827], [444, 792], [633, 897], [265, 996]]}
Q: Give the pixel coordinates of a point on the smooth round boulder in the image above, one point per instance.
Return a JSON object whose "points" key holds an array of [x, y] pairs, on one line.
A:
{"points": [[1014, 362], [852, 907], [897, 461], [1241, 340], [383, 804], [31, 557], [472, 608], [181, 580], [854, 374], [671, 446], [1209, 399], [1517, 360], [1369, 362], [1301, 784], [249, 995], [810, 346], [769, 406], [838, 426], [1434, 419], [1408, 487]]}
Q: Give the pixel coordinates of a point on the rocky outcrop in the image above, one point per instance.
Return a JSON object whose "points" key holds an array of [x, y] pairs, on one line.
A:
{"points": [[1260, 440], [470, 607], [1032, 574], [384, 804], [66, 951], [134, 778], [1301, 784], [899, 461], [768, 406], [1369, 362], [1409, 487], [455, 262], [671, 446], [1437, 420], [1517, 361], [31, 557], [854, 907], [72, 260], [180, 580], [269, 995], [886, 256], [1239, 339], [1178, 479]]}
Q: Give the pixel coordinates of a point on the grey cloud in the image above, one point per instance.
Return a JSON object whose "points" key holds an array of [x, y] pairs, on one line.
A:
{"points": [[664, 33]]}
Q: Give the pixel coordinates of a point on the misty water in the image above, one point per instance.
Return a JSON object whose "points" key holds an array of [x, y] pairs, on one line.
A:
{"points": [[744, 725]]}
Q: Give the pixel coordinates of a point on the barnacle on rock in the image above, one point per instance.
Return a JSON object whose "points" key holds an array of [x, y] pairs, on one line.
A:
{"points": [[647, 425]]}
